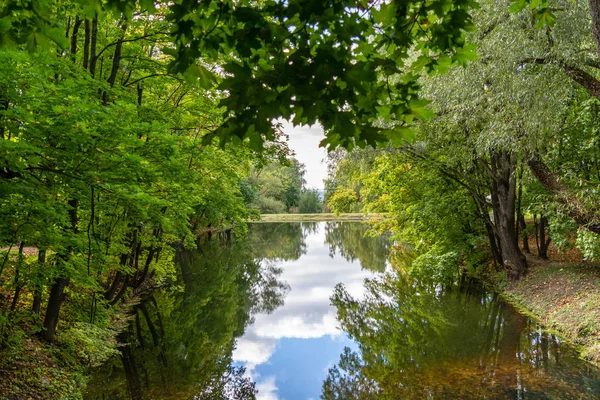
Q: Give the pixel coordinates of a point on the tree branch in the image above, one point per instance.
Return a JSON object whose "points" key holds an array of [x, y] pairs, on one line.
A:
{"points": [[583, 78], [152, 76], [128, 40], [572, 205]]}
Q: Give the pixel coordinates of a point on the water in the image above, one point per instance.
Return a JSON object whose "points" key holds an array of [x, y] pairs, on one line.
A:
{"points": [[289, 308]]}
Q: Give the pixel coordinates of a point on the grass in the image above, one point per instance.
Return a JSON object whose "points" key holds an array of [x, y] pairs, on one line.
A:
{"points": [[317, 217], [566, 298]]}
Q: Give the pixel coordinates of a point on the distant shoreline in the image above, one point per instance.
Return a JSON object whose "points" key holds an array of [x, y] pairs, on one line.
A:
{"points": [[320, 217]]}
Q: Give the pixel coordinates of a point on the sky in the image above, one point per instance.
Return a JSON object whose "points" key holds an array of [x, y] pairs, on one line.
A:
{"points": [[304, 140], [289, 352]]}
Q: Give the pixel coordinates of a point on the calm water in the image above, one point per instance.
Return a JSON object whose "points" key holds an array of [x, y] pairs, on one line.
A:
{"points": [[318, 309]]}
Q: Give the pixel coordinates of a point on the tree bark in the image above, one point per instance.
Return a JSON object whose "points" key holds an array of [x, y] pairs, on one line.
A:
{"points": [[60, 283], [93, 42], [74, 36], [53, 310], [86, 44], [18, 284], [37, 293], [524, 235], [544, 241], [595, 11], [571, 204], [502, 169], [116, 62], [132, 375]]}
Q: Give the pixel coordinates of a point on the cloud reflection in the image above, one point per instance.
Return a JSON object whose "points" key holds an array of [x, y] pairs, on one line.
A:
{"points": [[306, 313]]}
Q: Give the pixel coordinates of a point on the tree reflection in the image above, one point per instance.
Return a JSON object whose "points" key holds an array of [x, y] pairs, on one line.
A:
{"points": [[351, 241], [419, 340], [182, 338], [279, 241]]}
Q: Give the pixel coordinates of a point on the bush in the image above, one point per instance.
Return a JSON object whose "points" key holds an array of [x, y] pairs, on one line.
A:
{"points": [[269, 205], [342, 201]]}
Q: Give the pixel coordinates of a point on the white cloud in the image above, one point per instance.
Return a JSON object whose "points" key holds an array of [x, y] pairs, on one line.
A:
{"points": [[267, 389], [253, 350], [304, 140]]}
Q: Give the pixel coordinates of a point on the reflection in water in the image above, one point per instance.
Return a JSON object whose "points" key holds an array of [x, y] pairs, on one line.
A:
{"points": [[182, 338], [279, 241], [351, 241], [288, 352], [256, 314], [419, 340]]}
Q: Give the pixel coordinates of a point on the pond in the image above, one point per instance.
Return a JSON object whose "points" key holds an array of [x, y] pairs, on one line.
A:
{"points": [[303, 310]]}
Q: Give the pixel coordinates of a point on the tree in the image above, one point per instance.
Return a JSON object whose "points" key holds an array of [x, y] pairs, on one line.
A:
{"points": [[416, 335], [284, 59], [310, 202], [278, 185], [181, 342], [354, 241], [103, 164]]}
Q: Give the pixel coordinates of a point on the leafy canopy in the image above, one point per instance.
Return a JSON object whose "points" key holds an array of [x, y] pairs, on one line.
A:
{"points": [[351, 65]]}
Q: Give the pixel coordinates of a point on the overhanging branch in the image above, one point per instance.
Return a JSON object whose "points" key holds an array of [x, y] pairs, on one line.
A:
{"points": [[580, 76]]}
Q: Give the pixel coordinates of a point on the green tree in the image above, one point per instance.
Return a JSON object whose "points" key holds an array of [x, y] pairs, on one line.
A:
{"points": [[310, 202], [278, 186]]}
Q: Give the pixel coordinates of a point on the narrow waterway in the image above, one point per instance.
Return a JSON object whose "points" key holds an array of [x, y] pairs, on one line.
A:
{"points": [[303, 310]]}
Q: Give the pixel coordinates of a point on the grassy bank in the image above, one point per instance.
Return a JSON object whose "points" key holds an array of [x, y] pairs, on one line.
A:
{"points": [[317, 217], [565, 297]]}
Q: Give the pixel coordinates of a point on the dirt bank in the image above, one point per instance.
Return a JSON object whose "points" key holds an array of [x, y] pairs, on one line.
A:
{"points": [[565, 297]]}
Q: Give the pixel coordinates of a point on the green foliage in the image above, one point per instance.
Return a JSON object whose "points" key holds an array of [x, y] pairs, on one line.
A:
{"points": [[589, 243], [310, 202], [563, 230], [354, 241], [342, 201], [193, 326], [279, 241], [326, 61], [103, 167], [268, 205], [91, 344], [347, 381], [276, 187]]}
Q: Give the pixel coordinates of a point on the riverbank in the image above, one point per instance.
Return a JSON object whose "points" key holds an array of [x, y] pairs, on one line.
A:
{"points": [[565, 297], [321, 217]]}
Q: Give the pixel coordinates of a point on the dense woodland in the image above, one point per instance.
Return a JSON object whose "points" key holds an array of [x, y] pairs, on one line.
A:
{"points": [[512, 150], [279, 187], [130, 129]]}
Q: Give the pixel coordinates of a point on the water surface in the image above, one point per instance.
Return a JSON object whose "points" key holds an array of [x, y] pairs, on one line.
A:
{"points": [[303, 310]]}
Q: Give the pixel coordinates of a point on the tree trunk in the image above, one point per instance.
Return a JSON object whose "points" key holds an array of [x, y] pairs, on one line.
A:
{"points": [[93, 42], [544, 241], [132, 375], [524, 234], [74, 37], [86, 44], [116, 62], [503, 200], [37, 293], [595, 11], [138, 329], [18, 283], [58, 287], [52, 311]]}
